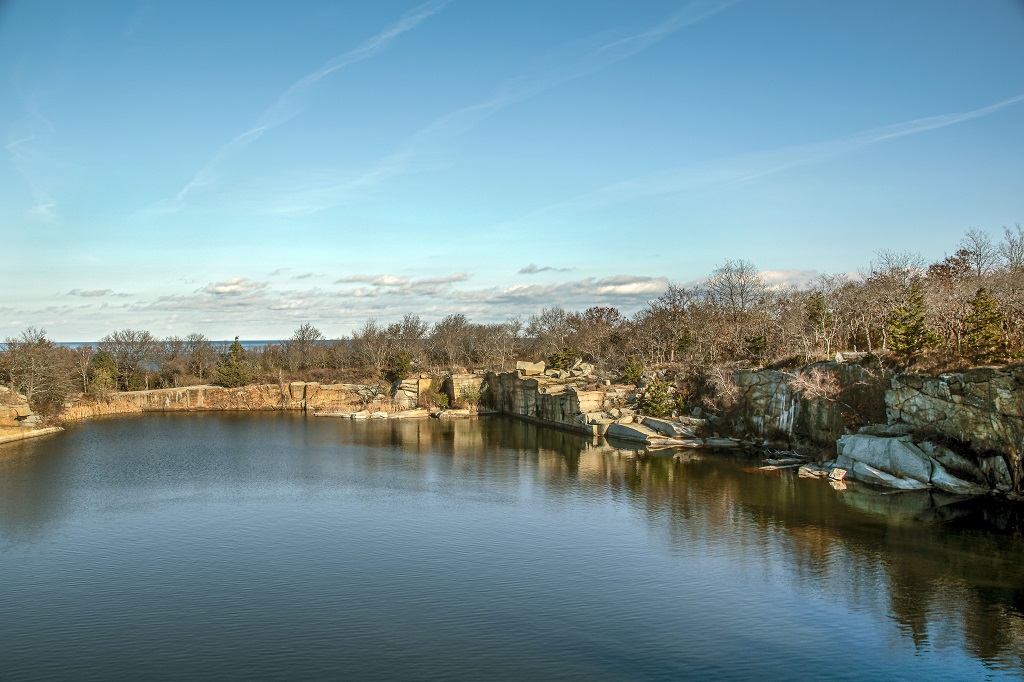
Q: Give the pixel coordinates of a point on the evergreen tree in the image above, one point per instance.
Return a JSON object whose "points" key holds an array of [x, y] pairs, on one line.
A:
{"points": [[656, 400], [633, 371], [907, 327], [233, 370], [984, 326], [401, 365]]}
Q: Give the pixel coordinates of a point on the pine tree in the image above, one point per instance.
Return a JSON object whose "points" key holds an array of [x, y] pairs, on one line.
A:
{"points": [[234, 371], [907, 326], [984, 336], [656, 399]]}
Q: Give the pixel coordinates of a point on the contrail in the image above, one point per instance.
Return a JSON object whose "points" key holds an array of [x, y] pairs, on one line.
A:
{"points": [[286, 106]]}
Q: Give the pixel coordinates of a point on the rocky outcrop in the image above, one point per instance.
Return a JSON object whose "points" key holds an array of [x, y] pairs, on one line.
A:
{"points": [[899, 462], [981, 410], [464, 389], [801, 405], [17, 420], [296, 395], [15, 411], [978, 413], [407, 393], [597, 409], [543, 399]]}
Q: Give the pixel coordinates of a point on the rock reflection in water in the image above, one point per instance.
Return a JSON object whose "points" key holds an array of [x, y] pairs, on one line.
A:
{"points": [[948, 570], [947, 574]]}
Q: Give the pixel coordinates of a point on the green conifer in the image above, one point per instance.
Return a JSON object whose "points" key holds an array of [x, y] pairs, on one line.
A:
{"points": [[984, 336], [907, 325], [233, 370]]}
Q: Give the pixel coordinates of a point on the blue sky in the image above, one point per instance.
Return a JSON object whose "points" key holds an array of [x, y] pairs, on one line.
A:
{"points": [[244, 167]]}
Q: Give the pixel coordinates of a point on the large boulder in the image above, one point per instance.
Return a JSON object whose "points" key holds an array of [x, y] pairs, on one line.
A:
{"points": [[895, 456], [869, 474], [530, 368], [943, 480], [633, 432]]}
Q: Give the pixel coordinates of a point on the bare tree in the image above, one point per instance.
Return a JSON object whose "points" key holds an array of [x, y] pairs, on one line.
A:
{"points": [[449, 342], [981, 253], [407, 336], [887, 285], [202, 356], [83, 359], [1011, 249], [372, 345], [302, 349], [37, 367], [593, 332], [829, 311], [549, 330], [131, 352], [736, 285]]}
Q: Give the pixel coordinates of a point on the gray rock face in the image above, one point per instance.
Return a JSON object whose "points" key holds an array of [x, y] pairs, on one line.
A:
{"points": [[768, 406], [896, 456], [958, 465], [943, 480], [996, 473], [669, 428], [983, 408], [634, 432], [869, 474], [896, 462]]}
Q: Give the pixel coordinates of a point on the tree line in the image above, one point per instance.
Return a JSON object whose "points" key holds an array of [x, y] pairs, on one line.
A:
{"points": [[966, 308]]}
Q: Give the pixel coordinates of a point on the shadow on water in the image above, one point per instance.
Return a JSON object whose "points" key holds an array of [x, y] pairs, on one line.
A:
{"points": [[939, 563], [947, 572]]}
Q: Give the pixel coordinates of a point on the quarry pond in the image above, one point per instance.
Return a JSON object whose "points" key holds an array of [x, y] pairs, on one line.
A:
{"points": [[278, 546]]}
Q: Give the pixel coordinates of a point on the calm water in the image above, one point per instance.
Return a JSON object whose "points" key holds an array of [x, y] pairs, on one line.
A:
{"points": [[280, 546]]}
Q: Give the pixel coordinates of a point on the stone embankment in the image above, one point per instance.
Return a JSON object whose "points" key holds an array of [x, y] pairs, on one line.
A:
{"points": [[573, 401], [402, 400], [291, 396], [17, 420], [960, 432]]}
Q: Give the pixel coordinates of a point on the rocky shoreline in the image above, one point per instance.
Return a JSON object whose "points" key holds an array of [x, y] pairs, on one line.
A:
{"points": [[962, 433], [18, 421]]}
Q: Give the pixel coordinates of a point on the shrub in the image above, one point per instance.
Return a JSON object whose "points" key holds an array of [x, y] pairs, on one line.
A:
{"points": [[563, 359], [469, 397], [633, 372], [656, 400], [400, 367]]}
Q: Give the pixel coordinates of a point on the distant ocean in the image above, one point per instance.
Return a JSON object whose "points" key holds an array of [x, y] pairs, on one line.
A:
{"points": [[248, 345]]}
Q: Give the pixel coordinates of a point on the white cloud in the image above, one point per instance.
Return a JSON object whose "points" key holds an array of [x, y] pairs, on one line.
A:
{"points": [[90, 293], [533, 269], [234, 287], [791, 278]]}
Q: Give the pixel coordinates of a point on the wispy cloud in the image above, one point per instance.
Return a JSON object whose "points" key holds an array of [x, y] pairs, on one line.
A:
{"points": [[570, 62], [92, 293], [789, 278], [29, 144], [230, 306], [289, 103], [235, 286], [395, 285], [745, 168], [533, 269]]}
